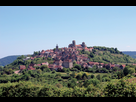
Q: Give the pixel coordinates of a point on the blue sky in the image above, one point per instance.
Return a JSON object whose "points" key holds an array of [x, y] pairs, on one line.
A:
{"points": [[25, 29]]}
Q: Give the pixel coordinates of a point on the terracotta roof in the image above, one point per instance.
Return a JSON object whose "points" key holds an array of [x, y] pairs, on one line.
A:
{"points": [[37, 65], [22, 67], [86, 48], [102, 63], [124, 66], [91, 63], [31, 58], [106, 64], [58, 66], [31, 68], [91, 48], [78, 45], [96, 63], [112, 65], [68, 60], [31, 64]]}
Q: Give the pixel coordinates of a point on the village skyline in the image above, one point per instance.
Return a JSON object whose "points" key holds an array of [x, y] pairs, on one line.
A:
{"points": [[25, 29]]}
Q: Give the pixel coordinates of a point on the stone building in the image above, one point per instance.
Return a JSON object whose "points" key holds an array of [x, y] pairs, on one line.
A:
{"points": [[59, 62], [73, 44], [68, 63]]}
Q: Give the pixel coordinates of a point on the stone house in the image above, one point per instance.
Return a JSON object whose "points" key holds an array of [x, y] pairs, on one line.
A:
{"points": [[58, 62], [68, 63]]}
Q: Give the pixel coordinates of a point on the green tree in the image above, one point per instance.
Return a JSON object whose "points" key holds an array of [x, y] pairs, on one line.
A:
{"points": [[91, 55], [115, 69], [58, 75], [39, 71], [99, 77], [84, 76], [131, 70], [77, 66], [92, 76], [73, 74], [36, 53], [79, 76], [43, 67], [74, 62], [48, 70], [11, 71], [59, 85], [72, 83], [64, 70], [1, 68], [53, 71], [121, 89], [91, 81], [126, 71]]}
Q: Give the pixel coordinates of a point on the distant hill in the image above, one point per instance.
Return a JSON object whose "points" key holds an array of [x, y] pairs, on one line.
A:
{"points": [[7, 60], [130, 53]]}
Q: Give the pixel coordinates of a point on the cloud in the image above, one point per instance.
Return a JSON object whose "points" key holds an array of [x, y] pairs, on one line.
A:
{"points": [[127, 46]]}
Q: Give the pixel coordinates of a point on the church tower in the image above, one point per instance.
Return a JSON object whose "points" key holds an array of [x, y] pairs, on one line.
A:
{"points": [[83, 44], [57, 47], [74, 43]]}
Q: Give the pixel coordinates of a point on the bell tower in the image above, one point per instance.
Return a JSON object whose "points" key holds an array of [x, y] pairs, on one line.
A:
{"points": [[57, 47], [74, 43], [83, 44]]}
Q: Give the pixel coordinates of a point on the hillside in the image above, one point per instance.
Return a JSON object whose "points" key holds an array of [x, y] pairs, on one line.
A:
{"points": [[106, 55], [77, 81], [130, 53], [7, 60]]}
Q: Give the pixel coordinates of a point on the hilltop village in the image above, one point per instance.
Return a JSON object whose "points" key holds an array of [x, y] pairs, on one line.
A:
{"points": [[64, 57]]}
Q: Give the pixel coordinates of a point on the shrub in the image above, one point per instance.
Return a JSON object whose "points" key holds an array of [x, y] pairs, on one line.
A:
{"points": [[99, 77], [53, 71], [95, 82], [121, 89], [92, 76], [59, 85], [21, 89]]}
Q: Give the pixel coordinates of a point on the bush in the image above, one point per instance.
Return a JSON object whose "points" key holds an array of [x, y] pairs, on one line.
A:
{"points": [[72, 83], [99, 77], [79, 76], [105, 79], [121, 89], [92, 76], [95, 82], [53, 71], [21, 89], [59, 85], [77, 66]]}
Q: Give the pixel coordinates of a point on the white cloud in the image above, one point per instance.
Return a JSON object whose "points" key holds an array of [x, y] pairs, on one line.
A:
{"points": [[127, 46]]}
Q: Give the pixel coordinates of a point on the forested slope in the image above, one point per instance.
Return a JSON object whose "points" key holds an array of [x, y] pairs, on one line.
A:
{"points": [[130, 53], [7, 60]]}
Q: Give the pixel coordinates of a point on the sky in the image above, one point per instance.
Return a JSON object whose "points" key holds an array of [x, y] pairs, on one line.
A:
{"points": [[25, 29]]}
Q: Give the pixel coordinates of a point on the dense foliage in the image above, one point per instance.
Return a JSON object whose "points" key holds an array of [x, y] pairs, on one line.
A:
{"points": [[75, 82], [108, 55], [122, 88]]}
